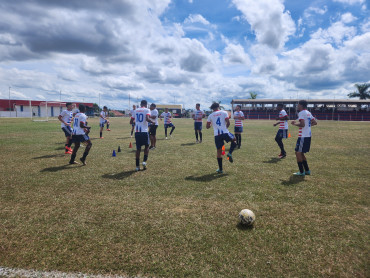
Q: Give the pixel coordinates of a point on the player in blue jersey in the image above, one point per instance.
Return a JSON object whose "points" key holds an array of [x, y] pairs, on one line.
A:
{"points": [[220, 122], [198, 122], [80, 135], [66, 118], [142, 118]]}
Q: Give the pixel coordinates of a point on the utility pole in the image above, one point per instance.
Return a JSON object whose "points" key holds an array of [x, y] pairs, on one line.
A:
{"points": [[129, 101], [9, 103]]}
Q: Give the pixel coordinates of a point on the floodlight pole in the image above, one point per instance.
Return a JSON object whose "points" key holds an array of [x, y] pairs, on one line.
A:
{"points": [[10, 110]]}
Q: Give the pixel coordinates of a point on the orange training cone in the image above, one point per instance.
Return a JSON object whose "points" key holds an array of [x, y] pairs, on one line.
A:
{"points": [[289, 135], [130, 146], [223, 148]]}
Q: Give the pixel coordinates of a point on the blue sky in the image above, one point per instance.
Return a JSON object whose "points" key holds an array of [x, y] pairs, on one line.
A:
{"points": [[183, 51]]}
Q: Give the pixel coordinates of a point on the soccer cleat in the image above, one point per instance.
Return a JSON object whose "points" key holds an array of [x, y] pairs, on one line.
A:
{"points": [[144, 165], [307, 173], [108, 129], [299, 174], [196, 142], [83, 161], [73, 162], [282, 155], [101, 137], [219, 171], [137, 169], [230, 157], [166, 138], [200, 141], [68, 152]]}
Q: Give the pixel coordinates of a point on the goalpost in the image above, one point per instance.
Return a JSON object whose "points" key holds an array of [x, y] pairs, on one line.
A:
{"points": [[46, 111]]}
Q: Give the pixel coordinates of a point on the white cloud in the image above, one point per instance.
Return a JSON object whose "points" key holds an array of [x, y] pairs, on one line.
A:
{"points": [[268, 20], [347, 18], [234, 54], [350, 2], [196, 18]]}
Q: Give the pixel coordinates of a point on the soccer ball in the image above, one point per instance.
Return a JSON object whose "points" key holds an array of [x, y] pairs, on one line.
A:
{"points": [[246, 217]]}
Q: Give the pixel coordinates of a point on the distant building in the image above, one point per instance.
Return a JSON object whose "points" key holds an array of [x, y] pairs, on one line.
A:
{"points": [[175, 109], [37, 108]]}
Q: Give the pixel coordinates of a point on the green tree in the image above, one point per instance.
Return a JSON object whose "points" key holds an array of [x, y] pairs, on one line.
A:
{"points": [[253, 95], [96, 108], [363, 91]]}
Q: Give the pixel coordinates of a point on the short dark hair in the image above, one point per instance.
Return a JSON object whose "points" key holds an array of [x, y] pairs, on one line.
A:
{"points": [[105, 107], [82, 107], [68, 103], [239, 106], [215, 105], [198, 104], [303, 103], [280, 105], [144, 103], [153, 105]]}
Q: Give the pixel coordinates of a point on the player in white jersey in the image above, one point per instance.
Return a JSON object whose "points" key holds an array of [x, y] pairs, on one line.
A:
{"points": [[304, 122], [220, 122], [142, 118], [104, 119], [198, 122], [132, 119], [283, 129], [153, 127], [66, 118], [167, 121], [80, 135], [238, 129]]}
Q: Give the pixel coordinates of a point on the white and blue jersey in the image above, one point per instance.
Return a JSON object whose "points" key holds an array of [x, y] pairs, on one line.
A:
{"points": [[66, 117], [217, 119], [141, 124], [77, 129]]}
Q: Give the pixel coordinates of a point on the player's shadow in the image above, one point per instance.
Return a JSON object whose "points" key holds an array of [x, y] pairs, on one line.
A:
{"points": [[118, 176], [124, 138], [188, 144], [272, 160], [293, 180], [49, 156], [60, 168], [241, 227], [206, 178]]}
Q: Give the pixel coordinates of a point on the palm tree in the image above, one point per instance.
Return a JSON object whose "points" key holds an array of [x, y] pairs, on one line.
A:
{"points": [[253, 95], [363, 91]]}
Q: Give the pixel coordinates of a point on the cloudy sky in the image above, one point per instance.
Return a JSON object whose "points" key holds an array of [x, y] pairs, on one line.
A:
{"points": [[182, 51]]}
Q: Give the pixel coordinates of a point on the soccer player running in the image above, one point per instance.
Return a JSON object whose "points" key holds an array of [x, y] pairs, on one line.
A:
{"points": [[304, 122], [66, 118], [80, 135], [142, 118], [198, 122], [132, 119], [283, 129], [104, 115], [154, 126], [167, 122], [238, 129], [220, 122]]}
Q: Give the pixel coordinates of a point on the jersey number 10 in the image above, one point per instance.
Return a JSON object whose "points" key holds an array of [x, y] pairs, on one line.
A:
{"points": [[139, 117]]}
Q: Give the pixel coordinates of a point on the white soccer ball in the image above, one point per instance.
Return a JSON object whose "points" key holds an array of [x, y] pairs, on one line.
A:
{"points": [[247, 217]]}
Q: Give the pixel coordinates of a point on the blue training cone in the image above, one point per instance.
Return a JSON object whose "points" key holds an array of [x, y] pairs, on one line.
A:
{"points": [[114, 153]]}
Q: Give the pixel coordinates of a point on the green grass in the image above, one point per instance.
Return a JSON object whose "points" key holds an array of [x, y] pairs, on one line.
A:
{"points": [[178, 218]]}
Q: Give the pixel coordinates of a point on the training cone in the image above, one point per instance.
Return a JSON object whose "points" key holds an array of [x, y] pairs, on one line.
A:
{"points": [[223, 148], [289, 135], [223, 152], [119, 149], [114, 153], [130, 146]]}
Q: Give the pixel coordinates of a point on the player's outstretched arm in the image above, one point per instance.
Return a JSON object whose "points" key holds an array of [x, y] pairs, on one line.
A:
{"points": [[208, 125], [227, 122]]}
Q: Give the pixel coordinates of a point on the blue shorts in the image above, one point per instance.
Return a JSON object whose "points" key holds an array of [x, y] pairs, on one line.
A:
{"points": [[168, 125], [219, 139], [238, 129], [80, 138], [102, 124], [303, 144], [198, 125], [282, 133], [67, 131], [142, 139]]}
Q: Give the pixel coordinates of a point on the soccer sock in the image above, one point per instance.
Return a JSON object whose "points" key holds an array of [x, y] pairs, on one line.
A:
{"points": [[200, 135], [132, 132], [173, 128], [219, 160], [232, 147], [196, 135], [145, 157], [137, 162], [300, 166], [85, 154], [101, 134], [165, 131], [240, 140], [107, 126], [69, 143], [305, 165]]}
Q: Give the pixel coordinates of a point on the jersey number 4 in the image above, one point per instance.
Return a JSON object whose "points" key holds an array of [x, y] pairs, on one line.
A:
{"points": [[218, 122]]}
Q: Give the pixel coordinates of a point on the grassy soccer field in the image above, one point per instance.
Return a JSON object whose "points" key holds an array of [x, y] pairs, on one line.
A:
{"points": [[178, 218]]}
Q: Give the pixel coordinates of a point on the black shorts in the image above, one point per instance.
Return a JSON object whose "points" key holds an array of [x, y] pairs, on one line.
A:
{"points": [[219, 139], [168, 125], [303, 144], [67, 131], [80, 138], [282, 133], [142, 139], [153, 130]]}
